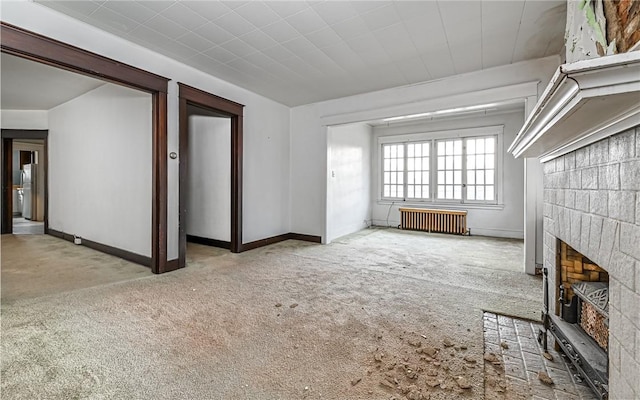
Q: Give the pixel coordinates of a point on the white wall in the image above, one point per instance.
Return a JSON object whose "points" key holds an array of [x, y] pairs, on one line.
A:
{"points": [[309, 123], [504, 220], [266, 123], [349, 181], [100, 167], [209, 178], [24, 119]]}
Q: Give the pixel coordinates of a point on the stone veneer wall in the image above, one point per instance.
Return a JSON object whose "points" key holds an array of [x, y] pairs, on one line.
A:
{"points": [[592, 202]]}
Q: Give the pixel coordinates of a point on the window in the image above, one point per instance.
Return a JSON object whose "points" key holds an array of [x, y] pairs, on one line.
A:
{"points": [[459, 170]]}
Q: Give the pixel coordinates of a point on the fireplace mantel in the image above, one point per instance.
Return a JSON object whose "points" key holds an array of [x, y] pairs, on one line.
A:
{"points": [[586, 101]]}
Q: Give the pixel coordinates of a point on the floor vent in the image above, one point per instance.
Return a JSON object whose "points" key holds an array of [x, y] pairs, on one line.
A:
{"points": [[444, 221]]}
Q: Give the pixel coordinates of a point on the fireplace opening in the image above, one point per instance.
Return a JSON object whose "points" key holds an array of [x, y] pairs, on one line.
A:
{"points": [[580, 325]]}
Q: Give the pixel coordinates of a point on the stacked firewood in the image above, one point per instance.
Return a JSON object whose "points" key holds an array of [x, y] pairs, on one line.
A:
{"points": [[577, 268]]}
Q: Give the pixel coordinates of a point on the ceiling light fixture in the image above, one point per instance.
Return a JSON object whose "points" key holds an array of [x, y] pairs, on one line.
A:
{"points": [[440, 112]]}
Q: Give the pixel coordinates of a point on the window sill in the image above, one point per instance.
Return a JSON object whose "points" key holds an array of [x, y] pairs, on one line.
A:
{"points": [[442, 206]]}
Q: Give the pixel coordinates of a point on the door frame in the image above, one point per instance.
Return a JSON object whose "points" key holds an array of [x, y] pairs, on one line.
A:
{"points": [[32, 46], [191, 96], [8, 135]]}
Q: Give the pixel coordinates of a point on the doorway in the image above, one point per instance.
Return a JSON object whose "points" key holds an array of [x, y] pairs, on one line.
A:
{"points": [[24, 181], [28, 45], [206, 117]]}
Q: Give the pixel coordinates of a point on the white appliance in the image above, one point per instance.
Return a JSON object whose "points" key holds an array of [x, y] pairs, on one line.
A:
{"points": [[29, 190]]}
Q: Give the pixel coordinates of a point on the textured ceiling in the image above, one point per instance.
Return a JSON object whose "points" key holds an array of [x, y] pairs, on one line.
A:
{"points": [[299, 52], [28, 85]]}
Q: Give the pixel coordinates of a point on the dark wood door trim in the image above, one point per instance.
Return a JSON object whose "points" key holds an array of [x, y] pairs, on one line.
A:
{"points": [[191, 96], [7, 185], [22, 43]]}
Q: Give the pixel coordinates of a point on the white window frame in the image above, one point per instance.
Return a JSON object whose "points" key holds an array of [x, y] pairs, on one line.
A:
{"points": [[497, 131]]}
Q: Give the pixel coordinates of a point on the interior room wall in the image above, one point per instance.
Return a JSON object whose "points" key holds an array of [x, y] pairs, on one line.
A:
{"points": [[266, 177], [209, 178], [504, 220], [349, 179], [24, 119], [100, 168], [309, 131]]}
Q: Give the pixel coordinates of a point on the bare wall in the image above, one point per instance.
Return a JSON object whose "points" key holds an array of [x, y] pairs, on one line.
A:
{"points": [[100, 168], [349, 181]]}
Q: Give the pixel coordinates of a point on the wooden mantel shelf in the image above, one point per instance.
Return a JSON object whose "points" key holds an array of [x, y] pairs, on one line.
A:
{"points": [[586, 101]]}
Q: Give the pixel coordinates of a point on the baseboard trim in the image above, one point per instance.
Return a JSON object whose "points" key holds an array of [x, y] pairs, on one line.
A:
{"points": [[305, 238], [103, 248], [280, 238], [209, 242]]}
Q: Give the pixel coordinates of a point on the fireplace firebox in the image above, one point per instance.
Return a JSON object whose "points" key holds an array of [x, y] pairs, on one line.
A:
{"points": [[581, 326]]}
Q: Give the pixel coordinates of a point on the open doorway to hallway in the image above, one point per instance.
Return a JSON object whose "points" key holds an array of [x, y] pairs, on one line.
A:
{"points": [[28, 186]]}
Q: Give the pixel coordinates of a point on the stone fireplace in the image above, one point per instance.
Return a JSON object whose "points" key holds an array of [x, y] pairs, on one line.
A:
{"points": [[592, 233]]}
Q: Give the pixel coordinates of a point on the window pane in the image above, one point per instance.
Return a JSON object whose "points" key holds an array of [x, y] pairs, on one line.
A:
{"points": [[480, 162], [425, 177], [457, 177], [418, 152], [418, 164], [489, 192], [490, 145], [387, 151], [449, 162], [457, 162], [440, 162], [471, 162], [410, 150], [480, 177], [387, 177], [441, 191], [489, 161], [471, 192], [387, 164], [410, 191], [457, 192], [400, 177], [400, 191], [449, 177], [410, 164], [449, 147], [393, 151], [440, 177], [440, 147], [387, 191], [457, 147], [400, 151], [471, 146], [448, 192], [418, 192], [489, 176], [410, 180], [480, 146], [418, 179], [425, 149], [480, 193], [393, 190], [471, 177], [393, 177], [425, 163]]}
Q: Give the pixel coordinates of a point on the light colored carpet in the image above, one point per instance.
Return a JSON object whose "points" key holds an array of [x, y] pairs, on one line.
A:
{"points": [[289, 321]]}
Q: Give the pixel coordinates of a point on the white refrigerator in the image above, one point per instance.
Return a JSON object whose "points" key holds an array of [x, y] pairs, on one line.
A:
{"points": [[29, 191]]}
